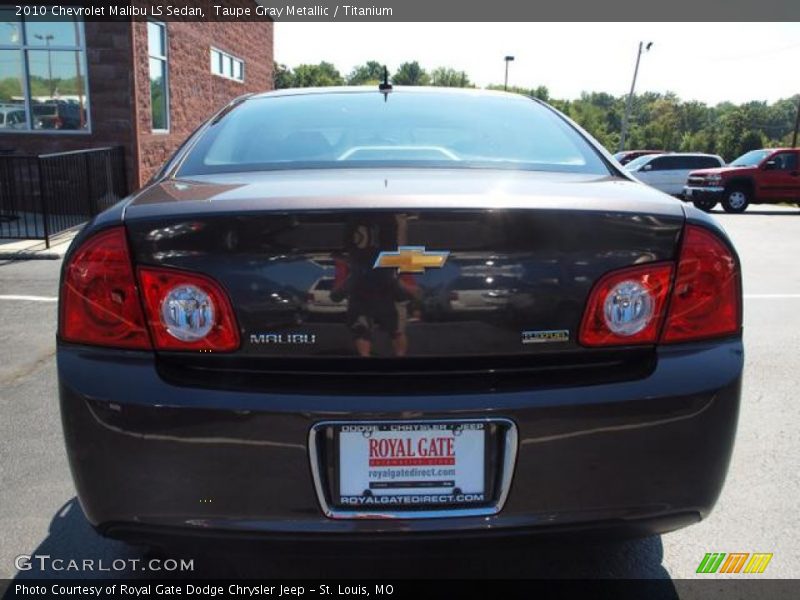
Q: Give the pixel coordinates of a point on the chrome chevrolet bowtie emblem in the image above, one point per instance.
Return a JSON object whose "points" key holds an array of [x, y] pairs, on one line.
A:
{"points": [[411, 259]]}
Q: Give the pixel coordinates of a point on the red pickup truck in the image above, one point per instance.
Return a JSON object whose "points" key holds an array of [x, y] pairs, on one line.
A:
{"points": [[757, 177]]}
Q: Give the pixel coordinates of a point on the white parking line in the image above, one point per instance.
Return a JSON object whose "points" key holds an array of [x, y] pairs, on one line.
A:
{"points": [[30, 298]]}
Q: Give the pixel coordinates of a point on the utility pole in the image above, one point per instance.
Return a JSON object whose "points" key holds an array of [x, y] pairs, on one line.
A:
{"points": [[642, 48], [508, 59], [796, 124]]}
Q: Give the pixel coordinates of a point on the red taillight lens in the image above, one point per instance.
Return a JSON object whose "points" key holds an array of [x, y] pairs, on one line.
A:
{"points": [[99, 303], [187, 311], [706, 301], [627, 307]]}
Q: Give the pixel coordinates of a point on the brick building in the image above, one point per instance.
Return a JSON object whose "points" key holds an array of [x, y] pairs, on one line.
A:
{"points": [[69, 85]]}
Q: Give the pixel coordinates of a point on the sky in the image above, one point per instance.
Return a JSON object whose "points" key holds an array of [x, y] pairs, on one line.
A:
{"points": [[709, 62]]}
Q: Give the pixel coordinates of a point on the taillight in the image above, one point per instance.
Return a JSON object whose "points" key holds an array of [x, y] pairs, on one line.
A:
{"points": [[187, 311], [99, 304], [706, 301], [627, 306]]}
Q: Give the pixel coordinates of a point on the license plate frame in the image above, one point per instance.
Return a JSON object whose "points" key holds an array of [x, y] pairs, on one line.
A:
{"points": [[499, 458]]}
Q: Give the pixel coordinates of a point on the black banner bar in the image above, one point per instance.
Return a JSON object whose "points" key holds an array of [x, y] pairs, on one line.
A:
{"points": [[415, 10], [653, 589]]}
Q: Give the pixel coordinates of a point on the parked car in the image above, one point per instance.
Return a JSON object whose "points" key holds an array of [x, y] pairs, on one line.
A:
{"points": [[611, 405], [47, 115], [627, 156], [58, 114], [669, 172], [319, 301], [470, 294], [763, 176], [12, 116]]}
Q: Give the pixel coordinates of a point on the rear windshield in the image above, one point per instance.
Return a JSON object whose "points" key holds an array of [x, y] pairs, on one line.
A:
{"points": [[638, 162], [364, 129]]}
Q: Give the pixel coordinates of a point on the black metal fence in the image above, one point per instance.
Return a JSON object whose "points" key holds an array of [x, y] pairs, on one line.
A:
{"points": [[41, 196]]}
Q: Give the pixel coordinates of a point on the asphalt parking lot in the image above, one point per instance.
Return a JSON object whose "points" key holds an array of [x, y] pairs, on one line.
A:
{"points": [[756, 513]]}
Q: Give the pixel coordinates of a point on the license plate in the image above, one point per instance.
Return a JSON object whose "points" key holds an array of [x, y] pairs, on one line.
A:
{"points": [[687, 192], [407, 465]]}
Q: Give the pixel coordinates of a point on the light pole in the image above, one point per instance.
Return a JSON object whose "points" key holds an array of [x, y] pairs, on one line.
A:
{"points": [[508, 59], [47, 38], [796, 125], [642, 48]]}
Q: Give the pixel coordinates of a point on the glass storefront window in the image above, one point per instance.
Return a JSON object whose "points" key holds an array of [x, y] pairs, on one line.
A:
{"points": [[43, 83]]}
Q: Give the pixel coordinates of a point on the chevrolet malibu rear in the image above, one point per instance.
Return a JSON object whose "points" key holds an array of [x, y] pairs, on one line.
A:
{"points": [[518, 338]]}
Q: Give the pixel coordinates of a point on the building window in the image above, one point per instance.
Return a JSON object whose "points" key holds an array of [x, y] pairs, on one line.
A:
{"points": [[226, 65], [159, 75], [43, 85]]}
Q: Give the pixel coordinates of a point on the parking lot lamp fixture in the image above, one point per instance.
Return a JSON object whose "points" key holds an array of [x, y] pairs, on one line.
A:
{"points": [[508, 59]]}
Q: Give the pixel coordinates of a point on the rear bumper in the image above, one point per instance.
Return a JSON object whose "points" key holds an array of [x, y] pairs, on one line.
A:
{"points": [[151, 458]]}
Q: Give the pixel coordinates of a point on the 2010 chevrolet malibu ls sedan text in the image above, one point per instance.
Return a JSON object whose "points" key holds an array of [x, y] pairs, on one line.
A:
{"points": [[361, 312]]}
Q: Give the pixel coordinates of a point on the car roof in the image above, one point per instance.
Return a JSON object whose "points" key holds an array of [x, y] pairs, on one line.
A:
{"points": [[694, 154], [652, 156], [678, 154], [686, 154]]}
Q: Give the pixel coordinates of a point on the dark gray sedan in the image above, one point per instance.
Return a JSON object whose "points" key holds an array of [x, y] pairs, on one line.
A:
{"points": [[587, 377]]}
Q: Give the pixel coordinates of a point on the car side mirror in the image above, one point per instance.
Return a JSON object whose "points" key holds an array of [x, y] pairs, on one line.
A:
{"points": [[770, 165], [647, 167]]}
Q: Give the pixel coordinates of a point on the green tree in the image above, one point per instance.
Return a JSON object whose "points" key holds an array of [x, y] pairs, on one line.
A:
{"points": [[780, 117], [322, 75], [541, 92], [10, 87], [732, 124], [410, 73], [663, 130], [663, 121], [447, 77], [751, 140], [282, 76], [370, 72]]}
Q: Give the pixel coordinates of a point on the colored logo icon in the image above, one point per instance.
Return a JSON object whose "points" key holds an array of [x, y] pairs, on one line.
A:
{"points": [[734, 562]]}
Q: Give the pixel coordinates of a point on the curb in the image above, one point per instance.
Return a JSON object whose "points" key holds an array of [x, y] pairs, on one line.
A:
{"points": [[35, 249]]}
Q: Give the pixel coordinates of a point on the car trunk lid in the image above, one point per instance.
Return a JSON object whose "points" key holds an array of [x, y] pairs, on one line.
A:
{"points": [[420, 265]]}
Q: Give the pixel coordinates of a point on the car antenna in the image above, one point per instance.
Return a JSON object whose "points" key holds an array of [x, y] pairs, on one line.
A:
{"points": [[385, 87]]}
